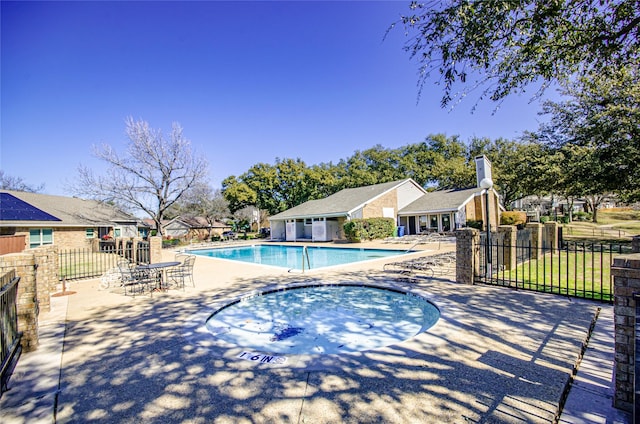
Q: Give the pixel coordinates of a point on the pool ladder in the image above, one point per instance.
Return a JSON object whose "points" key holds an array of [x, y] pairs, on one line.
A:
{"points": [[305, 254]]}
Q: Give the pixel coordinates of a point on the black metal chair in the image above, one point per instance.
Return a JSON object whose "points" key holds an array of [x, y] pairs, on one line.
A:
{"points": [[183, 272], [135, 281]]}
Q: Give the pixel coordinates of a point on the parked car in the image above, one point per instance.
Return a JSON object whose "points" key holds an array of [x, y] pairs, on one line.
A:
{"points": [[229, 235]]}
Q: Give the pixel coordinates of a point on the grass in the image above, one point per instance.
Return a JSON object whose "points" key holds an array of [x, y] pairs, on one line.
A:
{"points": [[572, 272], [614, 225], [82, 264], [578, 271]]}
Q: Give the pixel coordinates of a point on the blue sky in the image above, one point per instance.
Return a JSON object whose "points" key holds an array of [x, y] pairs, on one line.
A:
{"points": [[248, 81]]}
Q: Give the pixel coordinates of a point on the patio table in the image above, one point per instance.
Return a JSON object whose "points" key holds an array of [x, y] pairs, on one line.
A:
{"points": [[161, 267]]}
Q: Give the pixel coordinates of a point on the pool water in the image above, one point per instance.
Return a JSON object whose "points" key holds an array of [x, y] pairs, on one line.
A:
{"points": [[323, 319], [293, 257]]}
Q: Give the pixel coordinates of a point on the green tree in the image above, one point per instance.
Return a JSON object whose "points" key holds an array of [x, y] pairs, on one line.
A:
{"points": [[502, 46], [450, 165], [237, 193]]}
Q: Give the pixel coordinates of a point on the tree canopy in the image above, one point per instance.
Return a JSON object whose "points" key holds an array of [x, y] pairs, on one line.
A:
{"points": [[439, 162], [502, 46], [151, 176]]}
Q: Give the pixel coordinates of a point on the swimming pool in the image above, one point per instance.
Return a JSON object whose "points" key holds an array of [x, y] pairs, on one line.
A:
{"points": [[291, 257]]}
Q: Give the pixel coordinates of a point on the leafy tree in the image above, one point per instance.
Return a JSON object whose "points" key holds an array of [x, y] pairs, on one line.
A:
{"points": [[601, 115], [8, 182], [151, 176], [503, 46], [450, 166], [237, 193]]}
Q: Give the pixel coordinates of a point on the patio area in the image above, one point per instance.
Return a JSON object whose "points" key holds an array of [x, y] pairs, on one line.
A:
{"points": [[495, 355]]}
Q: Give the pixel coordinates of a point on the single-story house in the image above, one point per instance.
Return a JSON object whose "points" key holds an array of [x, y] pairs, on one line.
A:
{"points": [[323, 219], [447, 210], [68, 222], [411, 207], [194, 228]]}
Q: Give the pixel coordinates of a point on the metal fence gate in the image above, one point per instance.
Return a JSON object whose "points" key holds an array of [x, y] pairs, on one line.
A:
{"points": [[9, 333], [575, 269]]}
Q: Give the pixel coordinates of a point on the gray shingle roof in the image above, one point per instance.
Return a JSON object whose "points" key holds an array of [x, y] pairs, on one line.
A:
{"points": [[339, 204], [440, 201], [72, 211]]}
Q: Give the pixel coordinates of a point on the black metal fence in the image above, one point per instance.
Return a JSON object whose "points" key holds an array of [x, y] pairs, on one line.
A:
{"points": [[9, 335], [86, 263], [575, 269]]}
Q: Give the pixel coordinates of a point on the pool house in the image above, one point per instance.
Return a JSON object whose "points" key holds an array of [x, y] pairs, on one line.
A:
{"points": [[414, 210]]}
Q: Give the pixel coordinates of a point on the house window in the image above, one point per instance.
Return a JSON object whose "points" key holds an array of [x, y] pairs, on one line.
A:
{"points": [[40, 237], [143, 232], [446, 222], [422, 222], [308, 221], [89, 233], [433, 222], [117, 232]]}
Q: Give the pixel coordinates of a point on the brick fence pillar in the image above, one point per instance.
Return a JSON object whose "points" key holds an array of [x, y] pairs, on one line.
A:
{"points": [[551, 235], [46, 260], [155, 249], [507, 254], [27, 302], [467, 255], [626, 282], [536, 237]]}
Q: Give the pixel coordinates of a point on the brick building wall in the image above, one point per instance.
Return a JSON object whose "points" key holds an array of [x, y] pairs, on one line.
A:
{"points": [[375, 208]]}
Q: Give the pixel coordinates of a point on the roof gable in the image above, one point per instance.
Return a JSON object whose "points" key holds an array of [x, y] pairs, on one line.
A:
{"points": [[442, 200], [341, 203]]}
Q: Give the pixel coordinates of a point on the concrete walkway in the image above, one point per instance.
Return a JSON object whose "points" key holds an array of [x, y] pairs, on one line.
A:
{"points": [[496, 355]]}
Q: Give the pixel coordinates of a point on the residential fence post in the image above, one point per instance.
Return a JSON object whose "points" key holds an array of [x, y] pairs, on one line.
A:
{"points": [[467, 255], [626, 283], [507, 252], [551, 235], [536, 238], [155, 249]]}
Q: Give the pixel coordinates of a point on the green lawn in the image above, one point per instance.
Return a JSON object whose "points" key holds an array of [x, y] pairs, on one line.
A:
{"points": [[574, 273]]}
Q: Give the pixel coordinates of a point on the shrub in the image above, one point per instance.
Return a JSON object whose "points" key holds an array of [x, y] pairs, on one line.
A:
{"points": [[358, 230], [472, 223], [513, 218], [544, 219], [583, 216]]}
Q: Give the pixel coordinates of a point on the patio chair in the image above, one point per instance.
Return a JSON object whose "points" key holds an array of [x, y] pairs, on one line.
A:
{"points": [[183, 272], [135, 281]]}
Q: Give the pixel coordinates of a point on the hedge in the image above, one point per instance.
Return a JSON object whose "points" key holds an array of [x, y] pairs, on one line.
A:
{"points": [[359, 229], [513, 218]]}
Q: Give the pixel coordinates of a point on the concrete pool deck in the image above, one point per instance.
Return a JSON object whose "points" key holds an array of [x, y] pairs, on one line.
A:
{"points": [[495, 355]]}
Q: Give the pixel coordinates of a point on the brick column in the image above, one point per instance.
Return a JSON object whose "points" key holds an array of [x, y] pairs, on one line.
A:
{"points": [[551, 235], [626, 283], [467, 255], [46, 260], [27, 302], [536, 238], [155, 249], [507, 255]]}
